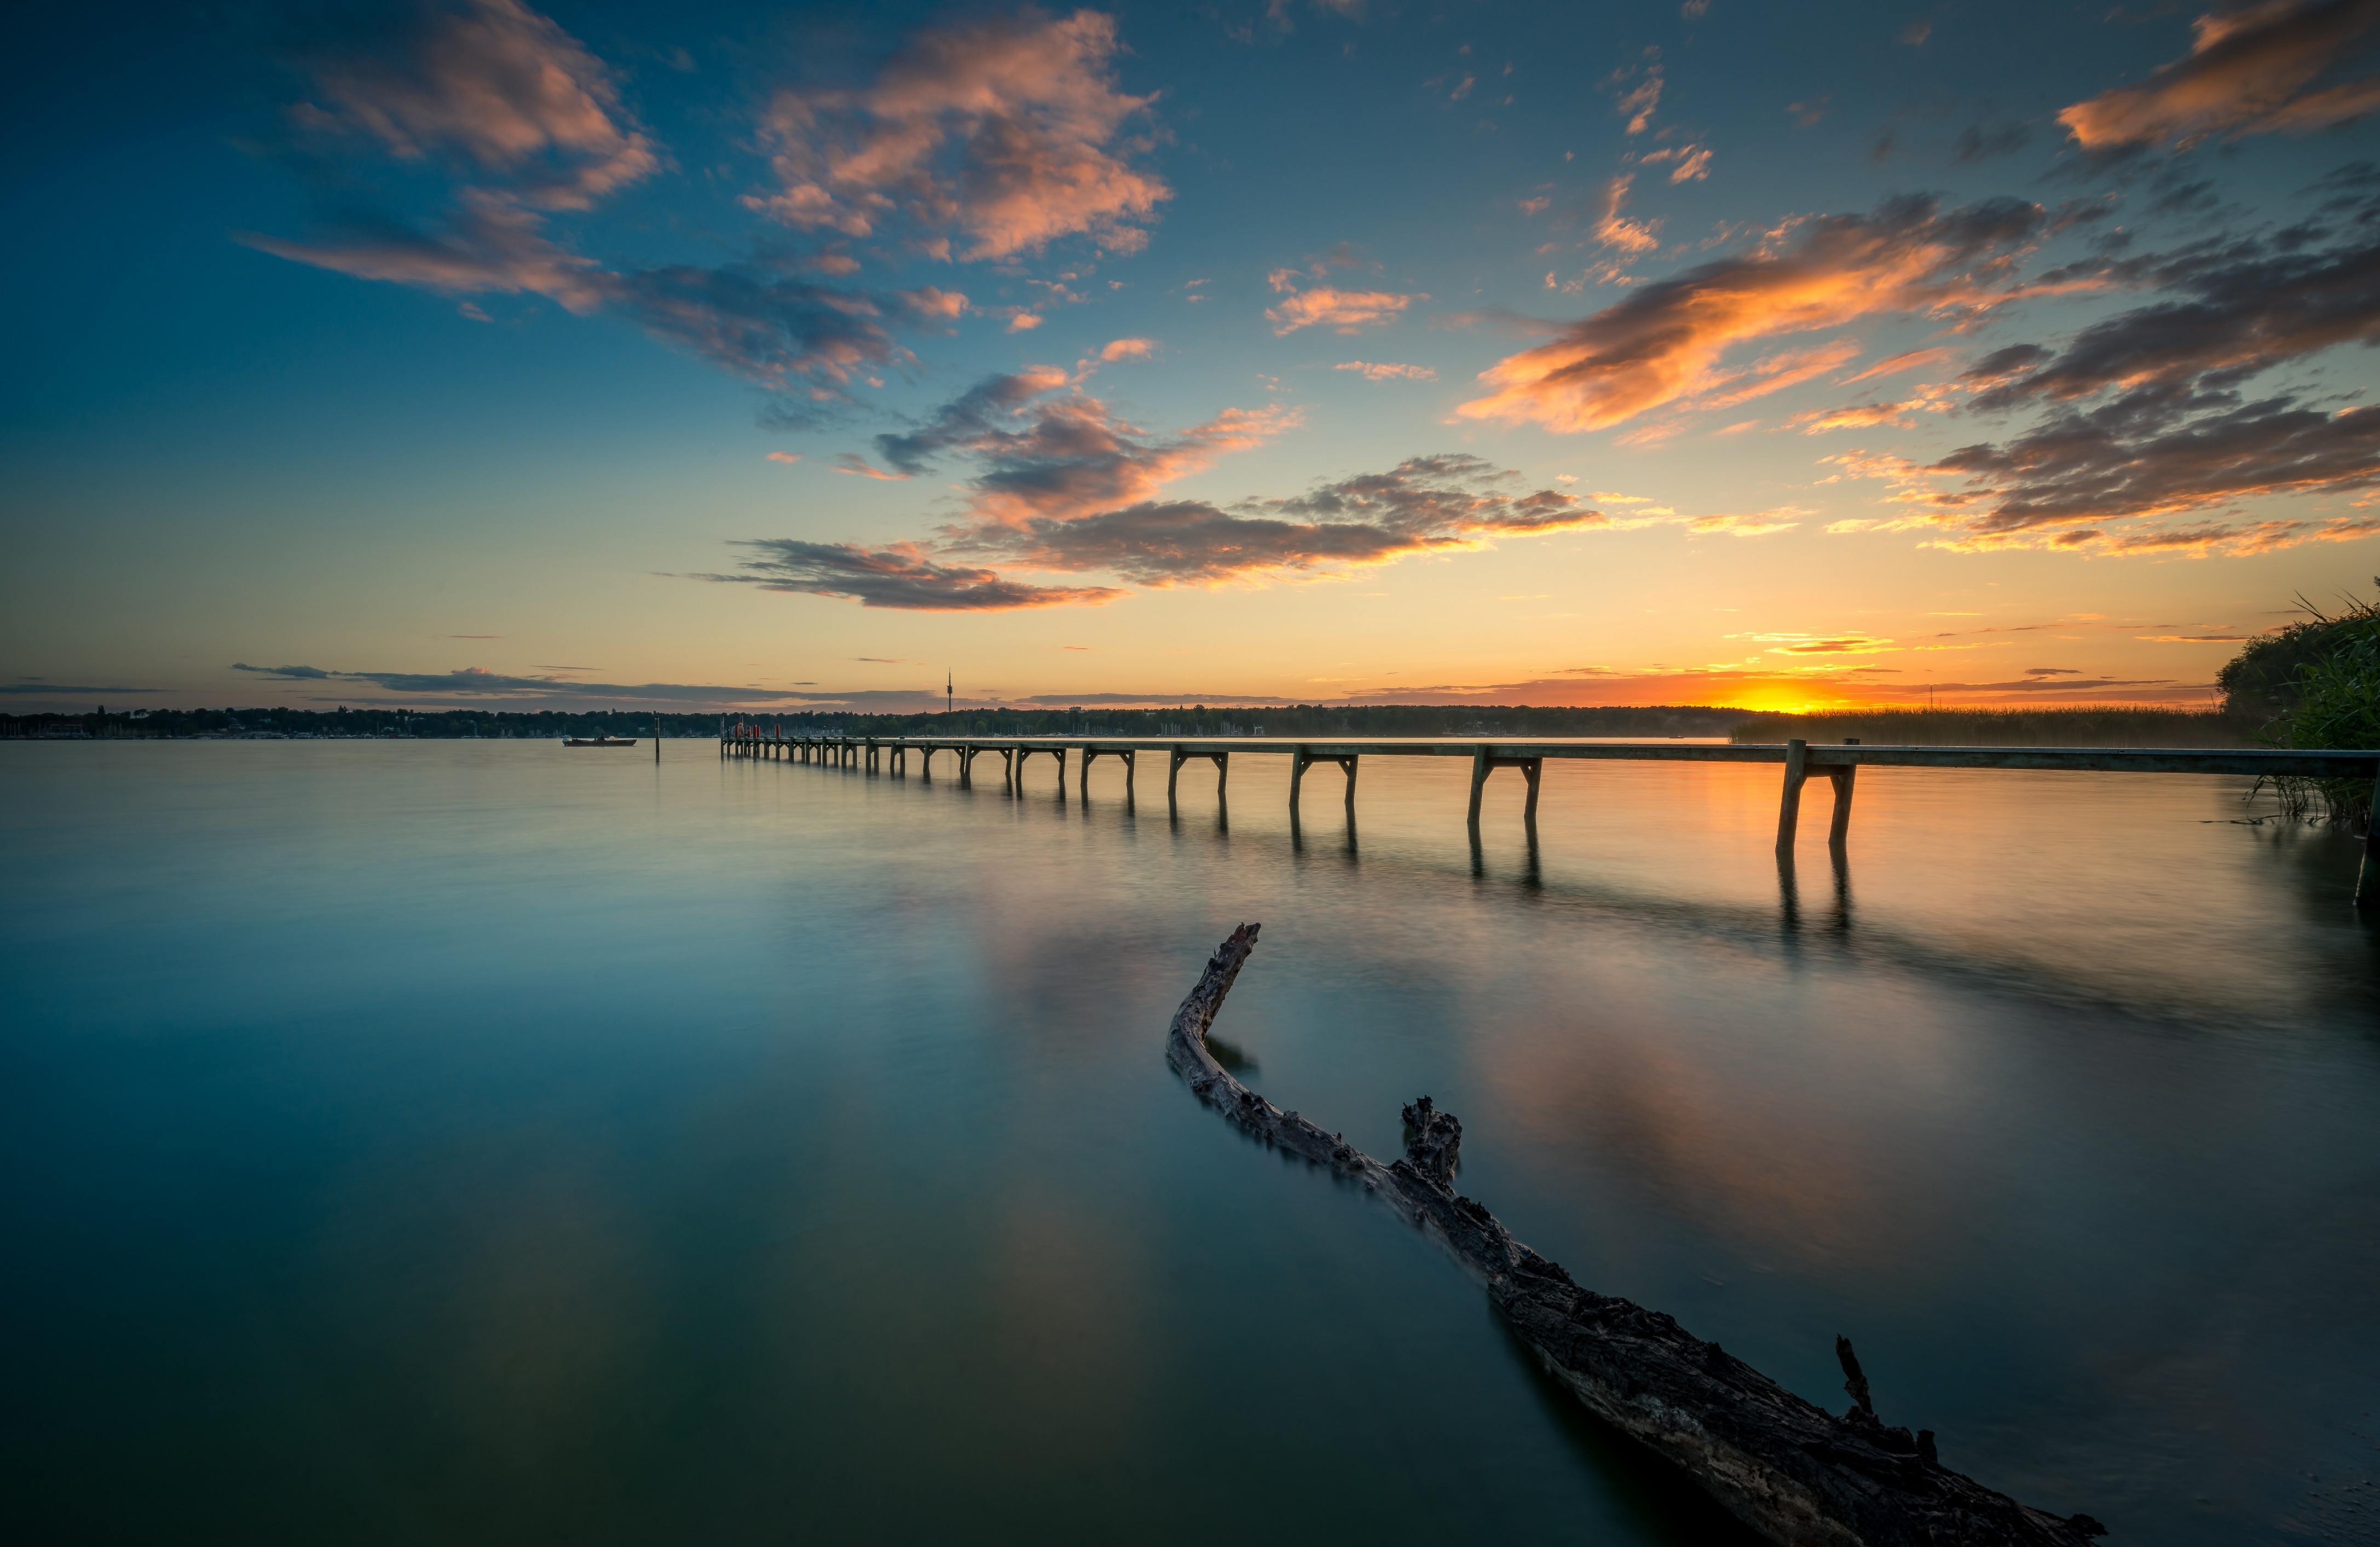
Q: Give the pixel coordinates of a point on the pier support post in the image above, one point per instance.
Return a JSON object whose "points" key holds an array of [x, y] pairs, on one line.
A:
{"points": [[1484, 762], [1174, 777], [1838, 830], [2367, 881], [1298, 759], [1788, 809], [1126, 755]]}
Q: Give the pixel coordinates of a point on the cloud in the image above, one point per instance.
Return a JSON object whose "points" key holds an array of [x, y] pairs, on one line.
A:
{"points": [[2247, 72], [774, 333], [1819, 644], [1128, 348], [1637, 103], [475, 683], [1693, 162], [1347, 311], [2245, 315], [293, 674], [1926, 397], [785, 457], [1629, 237], [1912, 360], [2154, 453], [1385, 370], [901, 576], [496, 94], [859, 467], [1426, 503], [1039, 456], [1004, 133], [1785, 517], [2146, 419], [1733, 388], [1664, 344], [486, 244], [491, 87]]}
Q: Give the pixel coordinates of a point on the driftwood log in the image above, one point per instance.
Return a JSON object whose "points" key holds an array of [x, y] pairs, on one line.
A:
{"points": [[1790, 1471]]}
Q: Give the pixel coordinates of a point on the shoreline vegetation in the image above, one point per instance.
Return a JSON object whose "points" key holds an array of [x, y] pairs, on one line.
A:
{"points": [[2116, 726]]}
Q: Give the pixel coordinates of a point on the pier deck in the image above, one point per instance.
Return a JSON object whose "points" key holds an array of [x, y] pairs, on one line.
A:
{"points": [[1839, 763]]}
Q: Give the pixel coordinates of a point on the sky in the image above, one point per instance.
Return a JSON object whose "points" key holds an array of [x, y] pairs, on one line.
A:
{"points": [[723, 356]]}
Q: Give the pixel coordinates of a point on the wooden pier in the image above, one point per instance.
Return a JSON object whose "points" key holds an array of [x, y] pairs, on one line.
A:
{"points": [[1802, 761]]}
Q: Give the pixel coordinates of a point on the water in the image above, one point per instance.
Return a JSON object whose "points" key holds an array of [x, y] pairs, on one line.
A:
{"points": [[489, 1143]]}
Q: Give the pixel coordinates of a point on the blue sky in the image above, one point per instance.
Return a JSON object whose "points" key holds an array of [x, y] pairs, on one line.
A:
{"points": [[483, 353]]}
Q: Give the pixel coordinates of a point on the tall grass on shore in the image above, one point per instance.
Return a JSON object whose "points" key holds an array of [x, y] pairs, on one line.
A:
{"points": [[2320, 680], [2115, 725]]}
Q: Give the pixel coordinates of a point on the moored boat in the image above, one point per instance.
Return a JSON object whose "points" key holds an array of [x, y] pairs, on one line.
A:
{"points": [[598, 741]]}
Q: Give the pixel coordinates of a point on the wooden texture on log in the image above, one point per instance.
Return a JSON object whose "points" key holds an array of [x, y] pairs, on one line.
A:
{"points": [[1789, 1469]]}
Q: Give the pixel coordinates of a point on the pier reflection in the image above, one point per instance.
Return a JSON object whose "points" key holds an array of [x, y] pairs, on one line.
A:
{"points": [[1838, 917]]}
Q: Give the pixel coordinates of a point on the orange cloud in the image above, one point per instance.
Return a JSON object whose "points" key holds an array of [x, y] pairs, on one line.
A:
{"points": [[785, 457], [1129, 348], [1008, 133], [1665, 343], [1635, 238], [2246, 72], [1910, 359], [1347, 311], [1930, 398]]}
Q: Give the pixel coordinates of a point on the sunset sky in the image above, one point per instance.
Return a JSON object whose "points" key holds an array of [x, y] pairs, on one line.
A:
{"points": [[721, 355]]}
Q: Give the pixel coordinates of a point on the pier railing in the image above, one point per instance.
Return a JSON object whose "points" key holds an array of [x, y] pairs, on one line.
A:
{"points": [[1837, 763]]}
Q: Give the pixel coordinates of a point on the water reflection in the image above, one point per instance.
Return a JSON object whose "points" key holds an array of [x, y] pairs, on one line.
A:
{"points": [[742, 1144]]}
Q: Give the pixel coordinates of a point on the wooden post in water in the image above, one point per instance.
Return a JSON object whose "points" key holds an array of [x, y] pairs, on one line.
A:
{"points": [[1173, 778], [1478, 782], [1530, 768], [1840, 828], [1789, 810], [1298, 759]]}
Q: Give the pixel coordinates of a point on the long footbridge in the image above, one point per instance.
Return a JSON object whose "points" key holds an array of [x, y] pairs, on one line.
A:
{"points": [[1838, 764]]}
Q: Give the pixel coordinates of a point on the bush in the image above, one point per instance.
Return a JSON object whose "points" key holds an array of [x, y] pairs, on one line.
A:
{"points": [[2319, 682]]}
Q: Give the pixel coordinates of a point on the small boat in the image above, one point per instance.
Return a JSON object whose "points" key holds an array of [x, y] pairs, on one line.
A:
{"points": [[598, 741]]}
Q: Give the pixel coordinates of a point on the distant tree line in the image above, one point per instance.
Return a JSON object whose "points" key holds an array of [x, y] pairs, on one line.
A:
{"points": [[1197, 720]]}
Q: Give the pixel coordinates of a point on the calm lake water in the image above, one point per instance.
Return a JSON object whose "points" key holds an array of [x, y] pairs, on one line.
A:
{"points": [[489, 1143]]}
